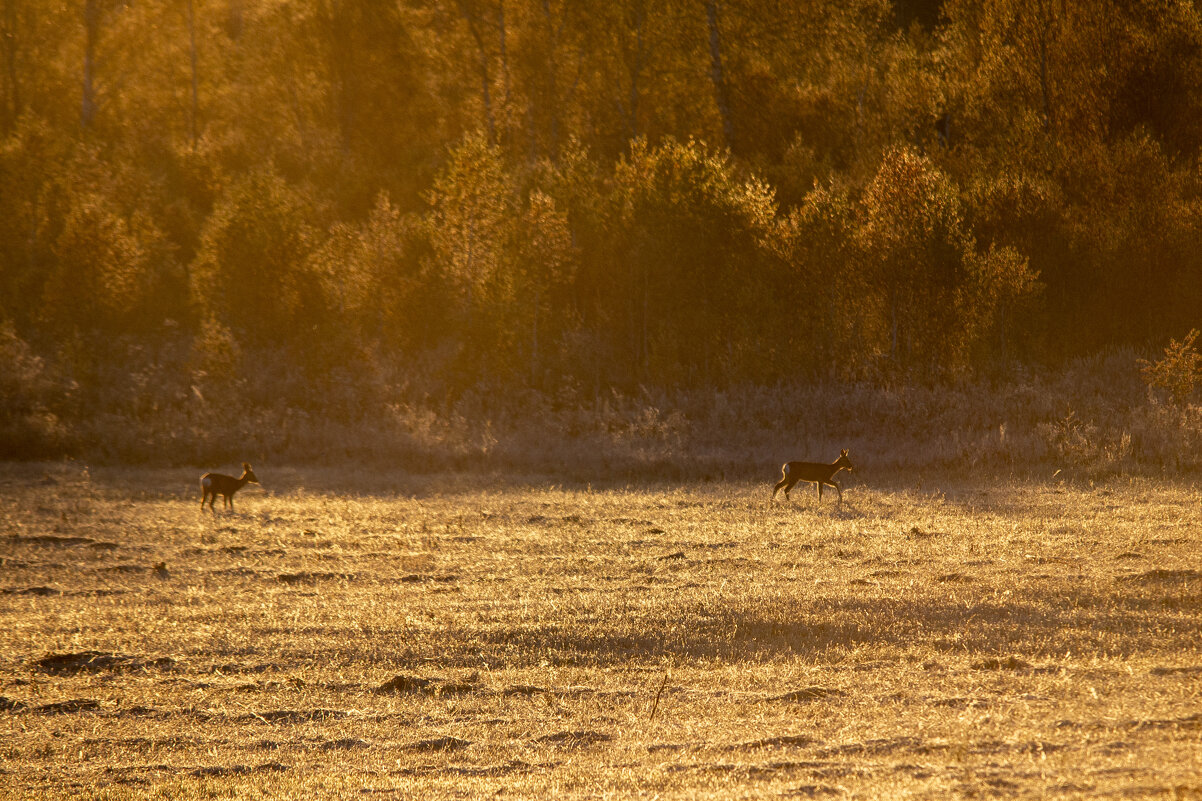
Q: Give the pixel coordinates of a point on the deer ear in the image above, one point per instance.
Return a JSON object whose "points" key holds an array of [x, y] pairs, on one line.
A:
{"points": [[845, 451]]}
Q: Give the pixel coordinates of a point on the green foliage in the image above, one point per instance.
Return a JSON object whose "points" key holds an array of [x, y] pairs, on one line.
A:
{"points": [[1179, 373], [31, 400], [100, 274], [370, 277], [992, 302], [341, 202], [830, 308], [915, 245], [217, 360], [250, 271], [698, 248], [472, 209], [545, 265]]}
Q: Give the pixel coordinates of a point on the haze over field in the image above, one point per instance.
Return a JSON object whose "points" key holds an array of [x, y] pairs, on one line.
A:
{"points": [[434, 637]]}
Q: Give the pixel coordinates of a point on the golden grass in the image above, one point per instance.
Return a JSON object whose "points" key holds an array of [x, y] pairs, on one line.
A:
{"points": [[387, 636]]}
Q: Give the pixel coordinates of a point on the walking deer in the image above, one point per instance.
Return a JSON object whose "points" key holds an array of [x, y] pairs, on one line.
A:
{"points": [[214, 484], [815, 472]]}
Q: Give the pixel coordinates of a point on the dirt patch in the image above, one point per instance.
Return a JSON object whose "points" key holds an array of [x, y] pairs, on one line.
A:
{"points": [[517, 766], [126, 569], [139, 711], [345, 744], [1188, 670], [235, 668], [958, 702], [420, 578], [954, 578], [1188, 722], [999, 663], [238, 770], [811, 791], [785, 741], [504, 769], [68, 707], [438, 744], [98, 662], [305, 577], [807, 694], [48, 539], [404, 683], [574, 739], [10, 704], [1161, 576], [295, 715], [523, 689], [879, 746]]}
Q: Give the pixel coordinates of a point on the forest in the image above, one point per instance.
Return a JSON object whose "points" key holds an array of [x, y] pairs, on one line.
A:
{"points": [[265, 229]]}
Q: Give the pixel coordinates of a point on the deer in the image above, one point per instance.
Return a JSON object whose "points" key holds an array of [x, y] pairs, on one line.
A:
{"points": [[815, 472], [214, 484]]}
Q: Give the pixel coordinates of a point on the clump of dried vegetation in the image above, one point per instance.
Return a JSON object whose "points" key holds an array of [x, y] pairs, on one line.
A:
{"points": [[385, 634], [1114, 413]]}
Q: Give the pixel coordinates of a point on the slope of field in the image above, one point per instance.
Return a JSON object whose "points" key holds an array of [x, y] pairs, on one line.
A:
{"points": [[380, 636]]}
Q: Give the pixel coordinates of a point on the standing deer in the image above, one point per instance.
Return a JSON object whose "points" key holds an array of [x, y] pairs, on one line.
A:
{"points": [[214, 484], [815, 472]]}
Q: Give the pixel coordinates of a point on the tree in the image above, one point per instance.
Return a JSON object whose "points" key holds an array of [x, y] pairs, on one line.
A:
{"points": [[698, 246], [370, 275], [829, 308], [470, 219], [914, 244], [545, 265], [250, 272]]}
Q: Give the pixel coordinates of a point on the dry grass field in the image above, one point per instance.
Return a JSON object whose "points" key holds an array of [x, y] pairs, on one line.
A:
{"points": [[371, 636]]}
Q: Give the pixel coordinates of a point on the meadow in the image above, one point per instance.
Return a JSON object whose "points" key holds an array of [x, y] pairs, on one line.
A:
{"points": [[364, 634]]}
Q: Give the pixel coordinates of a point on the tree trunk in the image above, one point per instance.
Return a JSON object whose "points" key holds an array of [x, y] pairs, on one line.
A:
{"points": [[717, 74], [193, 122], [91, 17], [473, 24], [9, 43], [635, 61]]}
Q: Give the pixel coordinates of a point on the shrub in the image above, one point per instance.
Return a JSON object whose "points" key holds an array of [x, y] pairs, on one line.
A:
{"points": [[29, 428], [1179, 373]]}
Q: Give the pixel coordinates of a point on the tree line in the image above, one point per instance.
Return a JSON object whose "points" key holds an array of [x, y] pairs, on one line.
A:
{"points": [[370, 200]]}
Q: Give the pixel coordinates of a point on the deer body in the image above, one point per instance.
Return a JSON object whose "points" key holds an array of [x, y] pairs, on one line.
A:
{"points": [[214, 484], [815, 472]]}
